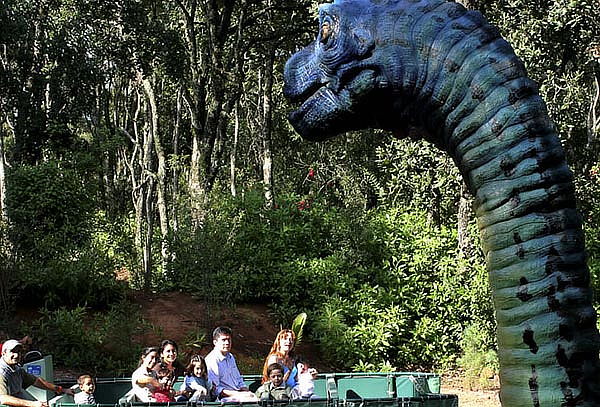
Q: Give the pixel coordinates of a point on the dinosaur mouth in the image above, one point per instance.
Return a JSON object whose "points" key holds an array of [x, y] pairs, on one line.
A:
{"points": [[311, 111], [300, 98]]}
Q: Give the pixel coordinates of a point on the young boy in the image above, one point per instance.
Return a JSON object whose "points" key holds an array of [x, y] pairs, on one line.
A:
{"points": [[86, 387], [275, 388]]}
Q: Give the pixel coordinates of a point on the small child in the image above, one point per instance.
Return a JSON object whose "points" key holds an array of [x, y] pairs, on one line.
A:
{"points": [[163, 394], [306, 385], [85, 395], [196, 382], [275, 388]]}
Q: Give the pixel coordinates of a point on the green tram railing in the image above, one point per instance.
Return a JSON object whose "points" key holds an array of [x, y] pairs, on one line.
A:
{"points": [[396, 389]]}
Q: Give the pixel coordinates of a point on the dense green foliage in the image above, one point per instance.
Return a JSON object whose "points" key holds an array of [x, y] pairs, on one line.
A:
{"points": [[135, 135], [381, 287], [103, 344]]}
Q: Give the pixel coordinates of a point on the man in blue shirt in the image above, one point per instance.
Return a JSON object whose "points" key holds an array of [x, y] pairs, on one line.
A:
{"points": [[223, 371]]}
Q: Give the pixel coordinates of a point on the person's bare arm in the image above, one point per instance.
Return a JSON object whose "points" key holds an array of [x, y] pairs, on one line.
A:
{"points": [[43, 384], [146, 380], [239, 394], [17, 402]]}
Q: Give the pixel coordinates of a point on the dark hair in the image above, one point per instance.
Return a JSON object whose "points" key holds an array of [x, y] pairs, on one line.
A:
{"points": [[189, 370], [166, 342], [221, 330], [274, 366], [82, 377], [162, 371], [300, 359], [146, 352]]}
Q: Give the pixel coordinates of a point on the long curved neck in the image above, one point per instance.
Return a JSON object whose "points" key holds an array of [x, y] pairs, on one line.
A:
{"points": [[463, 84]]}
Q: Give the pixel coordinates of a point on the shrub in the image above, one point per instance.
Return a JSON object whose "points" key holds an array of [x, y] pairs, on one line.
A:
{"points": [[479, 361], [102, 343]]}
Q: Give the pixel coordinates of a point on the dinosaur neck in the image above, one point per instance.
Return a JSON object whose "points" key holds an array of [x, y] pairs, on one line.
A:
{"points": [[461, 83]]}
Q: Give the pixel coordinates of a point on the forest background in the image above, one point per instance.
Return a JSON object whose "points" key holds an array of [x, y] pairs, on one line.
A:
{"points": [[144, 146]]}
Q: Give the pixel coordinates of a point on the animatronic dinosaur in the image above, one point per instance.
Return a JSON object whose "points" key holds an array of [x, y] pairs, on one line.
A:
{"points": [[434, 67]]}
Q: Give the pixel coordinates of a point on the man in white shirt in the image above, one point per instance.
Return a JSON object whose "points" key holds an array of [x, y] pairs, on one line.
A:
{"points": [[223, 371]]}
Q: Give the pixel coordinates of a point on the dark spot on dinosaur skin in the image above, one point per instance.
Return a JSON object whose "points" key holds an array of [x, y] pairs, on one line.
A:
{"points": [[477, 93], [522, 290], [452, 66], [517, 239], [521, 252], [568, 393], [514, 95], [530, 153], [586, 321], [455, 12], [523, 294], [496, 128], [554, 262], [553, 303], [561, 284], [561, 357], [534, 127], [565, 332], [533, 387], [507, 166], [529, 341], [439, 19]]}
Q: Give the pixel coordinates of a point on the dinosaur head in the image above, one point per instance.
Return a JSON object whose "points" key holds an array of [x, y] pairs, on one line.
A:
{"points": [[335, 79]]}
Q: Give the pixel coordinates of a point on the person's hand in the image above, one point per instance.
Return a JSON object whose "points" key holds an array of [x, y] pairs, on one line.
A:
{"points": [[39, 404], [70, 392], [313, 372], [202, 390]]}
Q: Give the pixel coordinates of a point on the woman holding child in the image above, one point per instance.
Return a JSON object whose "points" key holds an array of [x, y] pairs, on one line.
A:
{"points": [[292, 372], [144, 379], [168, 362], [280, 353]]}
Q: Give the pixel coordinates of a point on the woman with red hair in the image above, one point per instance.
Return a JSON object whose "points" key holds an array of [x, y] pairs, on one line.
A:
{"points": [[280, 353]]}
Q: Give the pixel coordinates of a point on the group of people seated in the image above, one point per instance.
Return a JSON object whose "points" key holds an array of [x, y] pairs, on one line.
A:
{"points": [[210, 378], [217, 377]]}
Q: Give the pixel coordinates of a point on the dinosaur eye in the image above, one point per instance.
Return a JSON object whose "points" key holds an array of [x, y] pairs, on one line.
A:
{"points": [[325, 32]]}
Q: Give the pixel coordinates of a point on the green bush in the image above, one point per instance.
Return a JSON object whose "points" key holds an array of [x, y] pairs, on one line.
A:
{"points": [[479, 361], [409, 313], [86, 280], [100, 343], [382, 288], [50, 208]]}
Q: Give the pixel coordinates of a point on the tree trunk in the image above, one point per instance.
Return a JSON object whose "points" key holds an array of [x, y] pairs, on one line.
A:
{"points": [[149, 218], [161, 173], [31, 122], [3, 211], [208, 93], [266, 131], [175, 181], [233, 151]]}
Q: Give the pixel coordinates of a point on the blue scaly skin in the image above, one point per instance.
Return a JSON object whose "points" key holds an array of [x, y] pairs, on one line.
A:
{"points": [[434, 69]]}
